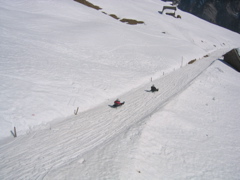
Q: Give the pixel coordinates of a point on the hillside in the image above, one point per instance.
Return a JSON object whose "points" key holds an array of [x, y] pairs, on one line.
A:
{"points": [[57, 56]]}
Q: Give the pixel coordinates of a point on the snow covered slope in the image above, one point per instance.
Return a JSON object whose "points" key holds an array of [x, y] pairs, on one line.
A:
{"points": [[60, 55], [64, 142]]}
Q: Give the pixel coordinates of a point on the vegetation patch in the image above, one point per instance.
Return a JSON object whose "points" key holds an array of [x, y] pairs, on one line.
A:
{"points": [[131, 21], [192, 61], [86, 3], [124, 20], [171, 14], [178, 16], [114, 16]]}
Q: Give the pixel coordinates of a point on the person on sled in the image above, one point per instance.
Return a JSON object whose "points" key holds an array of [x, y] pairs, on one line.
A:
{"points": [[117, 102], [153, 88]]}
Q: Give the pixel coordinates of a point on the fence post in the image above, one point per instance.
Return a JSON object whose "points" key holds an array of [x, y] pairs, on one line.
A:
{"points": [[15, 132], [75, 112]]}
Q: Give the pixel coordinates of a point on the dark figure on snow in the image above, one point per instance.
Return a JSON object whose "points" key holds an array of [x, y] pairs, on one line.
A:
{"points": [[153, 88]]}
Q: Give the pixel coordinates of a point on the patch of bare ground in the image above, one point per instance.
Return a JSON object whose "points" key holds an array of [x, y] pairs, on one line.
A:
{"points": [[86, 3], [124, 20], [131, 21], [192, 61], [114, 16]]}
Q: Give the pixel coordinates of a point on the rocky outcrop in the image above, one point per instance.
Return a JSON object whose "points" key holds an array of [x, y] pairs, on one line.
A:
{"points": [[225, 13], [233, 58]]}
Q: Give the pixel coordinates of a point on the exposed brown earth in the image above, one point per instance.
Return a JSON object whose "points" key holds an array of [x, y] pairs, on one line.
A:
{"points": [[131, 21], [124, 20], [192, 61], [86, 3], [114, 16]]}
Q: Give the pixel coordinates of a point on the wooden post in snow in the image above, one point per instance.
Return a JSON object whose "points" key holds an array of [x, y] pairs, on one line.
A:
{"points": [[15, 132], [75, 112]]}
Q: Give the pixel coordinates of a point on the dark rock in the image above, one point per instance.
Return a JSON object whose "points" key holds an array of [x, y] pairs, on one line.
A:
{"points": [[225, 13]]}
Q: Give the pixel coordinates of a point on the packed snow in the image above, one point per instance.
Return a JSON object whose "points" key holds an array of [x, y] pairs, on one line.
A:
{"points": [[62, 66]]}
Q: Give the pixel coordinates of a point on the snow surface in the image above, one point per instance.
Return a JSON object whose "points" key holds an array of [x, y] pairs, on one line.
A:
{"points": [[57, 56]]}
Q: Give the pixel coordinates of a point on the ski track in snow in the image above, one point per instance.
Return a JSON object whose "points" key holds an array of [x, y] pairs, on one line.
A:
{"points": [[33, 155]]}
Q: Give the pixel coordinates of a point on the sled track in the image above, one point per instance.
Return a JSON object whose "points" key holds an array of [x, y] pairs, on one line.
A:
{"points": [[32, 156]]}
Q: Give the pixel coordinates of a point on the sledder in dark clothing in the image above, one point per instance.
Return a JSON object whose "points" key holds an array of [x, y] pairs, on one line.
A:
{"points": [[153, 88]]}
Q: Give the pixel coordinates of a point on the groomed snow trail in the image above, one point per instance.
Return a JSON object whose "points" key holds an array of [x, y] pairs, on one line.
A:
{"points": [[33, 155]]}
